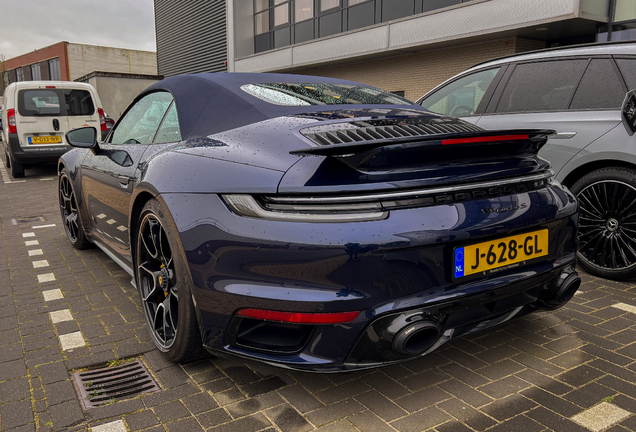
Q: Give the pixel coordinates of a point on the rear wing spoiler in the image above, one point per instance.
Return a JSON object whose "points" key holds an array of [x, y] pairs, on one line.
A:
{"points": [[534, 138]]}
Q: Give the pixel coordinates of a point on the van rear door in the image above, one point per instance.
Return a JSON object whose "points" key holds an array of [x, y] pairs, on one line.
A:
{"points": [[81, 106], [41, 119]]}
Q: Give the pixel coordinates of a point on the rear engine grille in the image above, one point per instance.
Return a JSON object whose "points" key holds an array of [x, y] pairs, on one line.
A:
{"points": [[404, 199], [373, 130], [102, 386]]}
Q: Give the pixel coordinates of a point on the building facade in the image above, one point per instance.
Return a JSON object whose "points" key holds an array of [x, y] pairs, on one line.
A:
{"points": [[68, 61], [404, 46]]}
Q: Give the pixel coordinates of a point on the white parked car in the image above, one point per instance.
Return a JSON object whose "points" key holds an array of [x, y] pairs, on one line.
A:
{"points": [[37, 114]]}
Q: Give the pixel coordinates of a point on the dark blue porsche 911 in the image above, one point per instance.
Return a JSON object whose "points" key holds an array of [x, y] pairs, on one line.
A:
{"points": [[317, 224]]}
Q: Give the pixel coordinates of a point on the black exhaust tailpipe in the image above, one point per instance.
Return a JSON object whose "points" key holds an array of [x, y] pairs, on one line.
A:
{"points": [[564, 291], [416, 338]]}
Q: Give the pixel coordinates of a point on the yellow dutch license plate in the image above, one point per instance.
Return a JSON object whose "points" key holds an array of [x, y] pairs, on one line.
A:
{"points": [[45, 139], [487, 256]]}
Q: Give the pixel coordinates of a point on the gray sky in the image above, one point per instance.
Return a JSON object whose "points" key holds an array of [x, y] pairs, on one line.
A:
{"points": [[26, 25]]}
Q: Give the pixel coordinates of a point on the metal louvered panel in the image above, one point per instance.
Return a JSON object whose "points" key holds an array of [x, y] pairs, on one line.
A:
{"points": [[191, 36], [371, 130]]}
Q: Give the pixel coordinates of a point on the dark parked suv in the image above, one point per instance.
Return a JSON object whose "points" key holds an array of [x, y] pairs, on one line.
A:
{"points": [[578, 92]]}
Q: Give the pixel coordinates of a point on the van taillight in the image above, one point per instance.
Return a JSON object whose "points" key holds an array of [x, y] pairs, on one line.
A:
{"points": [[102, 119], [11, 119]]}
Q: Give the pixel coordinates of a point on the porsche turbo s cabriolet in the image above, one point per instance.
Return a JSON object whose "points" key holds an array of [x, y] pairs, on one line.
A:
{"points": [[317, 224]]}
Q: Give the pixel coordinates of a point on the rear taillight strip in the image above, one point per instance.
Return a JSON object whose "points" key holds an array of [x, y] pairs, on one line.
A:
{"points": [[484, 139], [299, 317]]}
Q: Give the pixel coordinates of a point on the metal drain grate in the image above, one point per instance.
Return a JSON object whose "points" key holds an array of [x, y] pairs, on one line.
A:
{"points": [[111, 384]]}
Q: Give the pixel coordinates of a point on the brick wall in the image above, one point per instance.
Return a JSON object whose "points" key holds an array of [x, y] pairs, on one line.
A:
{"points": [[417, 73]]}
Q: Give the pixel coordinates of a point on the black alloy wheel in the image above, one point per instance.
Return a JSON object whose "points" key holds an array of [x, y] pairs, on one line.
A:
{"points": [[607, 222], [158, 282], [165, 286], [70, 214]]}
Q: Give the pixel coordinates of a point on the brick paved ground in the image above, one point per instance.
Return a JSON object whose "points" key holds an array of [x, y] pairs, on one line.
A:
{"points": [[532, 374]]}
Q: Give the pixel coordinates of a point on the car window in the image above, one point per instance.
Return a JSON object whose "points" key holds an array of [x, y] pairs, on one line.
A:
{"points": [[140, 123], [600, 87], [39, 102], [462, 96], [628, 69], [55, 102], [541, 86], [304, 94], [169, 130], [78, 102]]}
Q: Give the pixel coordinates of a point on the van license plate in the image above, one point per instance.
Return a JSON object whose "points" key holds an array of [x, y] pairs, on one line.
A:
{"points": [[45, 139], [487, 256]]}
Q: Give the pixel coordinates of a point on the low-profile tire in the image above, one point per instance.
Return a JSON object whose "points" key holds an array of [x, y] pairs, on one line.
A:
{"points": [[607, 222], [70, 212], [17, 169], [165, 287]]}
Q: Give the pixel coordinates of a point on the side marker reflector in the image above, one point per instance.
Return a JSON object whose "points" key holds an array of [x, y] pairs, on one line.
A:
{"points": [[299, 318]]}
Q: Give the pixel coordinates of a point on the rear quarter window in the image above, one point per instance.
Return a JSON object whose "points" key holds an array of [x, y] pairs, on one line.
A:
{"points": [[600, 88], [628, 69], [541, 86], [55, 102]]}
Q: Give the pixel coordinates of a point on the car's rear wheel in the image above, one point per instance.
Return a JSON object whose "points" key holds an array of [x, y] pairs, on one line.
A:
{"points": [[165, 288], [17, 169], [70, 213], [607, 222]]}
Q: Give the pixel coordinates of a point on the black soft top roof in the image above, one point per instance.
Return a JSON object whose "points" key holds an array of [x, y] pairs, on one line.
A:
{"points": [[210, 103]]}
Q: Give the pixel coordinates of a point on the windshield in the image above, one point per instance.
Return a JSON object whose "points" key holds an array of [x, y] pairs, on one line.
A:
{"points": [[300, 94]]}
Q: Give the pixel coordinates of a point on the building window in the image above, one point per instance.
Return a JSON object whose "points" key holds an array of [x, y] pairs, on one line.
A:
{"points": [[35, 72], [304, 10], [19, 74], [261, 21], [328, 4], [7, 79], [54, 70], [281, 14]]}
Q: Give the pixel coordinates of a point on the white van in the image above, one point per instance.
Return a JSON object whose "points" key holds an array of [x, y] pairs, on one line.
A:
{"points": [[36, 116]]}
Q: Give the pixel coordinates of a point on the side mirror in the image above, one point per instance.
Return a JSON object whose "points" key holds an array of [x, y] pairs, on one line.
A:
{"points": [[85, 137], [628, 112]]}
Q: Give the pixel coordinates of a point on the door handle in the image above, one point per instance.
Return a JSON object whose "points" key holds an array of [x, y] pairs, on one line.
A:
{"points": [[56, 124], [123, 180], [562, 135]]}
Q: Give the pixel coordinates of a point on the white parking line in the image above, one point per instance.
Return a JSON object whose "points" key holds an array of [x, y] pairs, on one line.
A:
{"points": [[39, 264], [46, 179], [35, 252], [31, 234], [31, 243], [72, 340], [116, 426], [625, 307], [43, 226], [54, 294], [47, 277], [61, 316], [5, 174]]}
